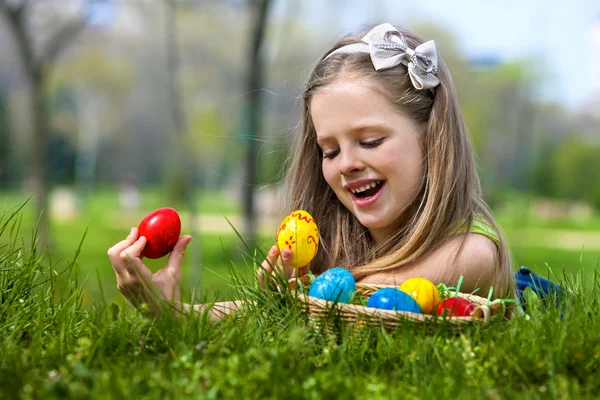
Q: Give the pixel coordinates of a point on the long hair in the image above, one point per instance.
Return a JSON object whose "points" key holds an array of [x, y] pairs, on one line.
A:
{"points": [[450, 196]]}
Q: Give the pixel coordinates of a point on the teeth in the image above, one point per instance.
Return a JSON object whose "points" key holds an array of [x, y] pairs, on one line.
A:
{"points": [[365, 187]]}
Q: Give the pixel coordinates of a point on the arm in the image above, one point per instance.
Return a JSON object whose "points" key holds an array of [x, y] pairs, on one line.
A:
{"points": [[476, 262], [217, 310]]}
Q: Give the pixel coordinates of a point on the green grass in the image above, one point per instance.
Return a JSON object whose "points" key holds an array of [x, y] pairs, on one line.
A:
{"points": [[53, 347], [106, 225]]}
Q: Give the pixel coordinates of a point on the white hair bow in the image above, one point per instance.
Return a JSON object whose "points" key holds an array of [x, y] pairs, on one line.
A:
{"points": [[388, 48]]}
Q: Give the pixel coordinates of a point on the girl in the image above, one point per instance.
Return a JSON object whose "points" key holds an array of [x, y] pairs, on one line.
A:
{"points": [[384, 164]]}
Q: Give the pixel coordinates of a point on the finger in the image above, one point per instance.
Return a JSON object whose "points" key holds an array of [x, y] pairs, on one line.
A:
{"points": [[303, 271], [114, 253], [288, 264], [138, 272], [267, 266], [133, 252], [139, 279], [263, 271], [260, 276], [123, 244], [175, 259], [286, 259], [281, 263], [270, 262], [298, 272], [272, 256], [281, 266]]}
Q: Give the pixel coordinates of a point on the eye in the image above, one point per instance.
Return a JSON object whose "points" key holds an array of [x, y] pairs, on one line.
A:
{"points": [[371, 144], [331, 154]]}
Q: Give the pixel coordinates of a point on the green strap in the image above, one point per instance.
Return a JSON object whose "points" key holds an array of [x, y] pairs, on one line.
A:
{"points": [[482, 227]]}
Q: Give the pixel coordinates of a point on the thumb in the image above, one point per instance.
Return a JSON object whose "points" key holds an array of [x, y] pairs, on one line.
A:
{"points": [[176, 257]]}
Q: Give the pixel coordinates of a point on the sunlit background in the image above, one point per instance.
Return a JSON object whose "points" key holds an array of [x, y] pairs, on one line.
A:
{"points": [[110, 109]]}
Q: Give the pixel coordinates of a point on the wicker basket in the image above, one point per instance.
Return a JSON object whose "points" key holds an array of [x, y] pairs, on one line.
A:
{"points": [[320, 309]]}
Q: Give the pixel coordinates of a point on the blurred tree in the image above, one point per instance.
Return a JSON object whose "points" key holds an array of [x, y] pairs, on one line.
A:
{"points": [[40, 37], [447, 45], [542, 183], [99, 85], [291, 44], [253, 112], [207, 129], [575, 170], [499, 110], [140, 146], [211, 71], [4, 144], [180, 183], [552, 128]]}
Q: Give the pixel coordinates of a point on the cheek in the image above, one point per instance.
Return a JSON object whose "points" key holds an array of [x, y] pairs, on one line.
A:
{"points": [[329, 173], [406, 161], [418, 166]]}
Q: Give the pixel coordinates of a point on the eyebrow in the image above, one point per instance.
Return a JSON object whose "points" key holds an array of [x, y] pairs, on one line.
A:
{"points": [[378, 126]]}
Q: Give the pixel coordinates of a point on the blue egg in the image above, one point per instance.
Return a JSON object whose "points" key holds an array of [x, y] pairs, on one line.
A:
{"points": [[336, 284], [393, 299]]}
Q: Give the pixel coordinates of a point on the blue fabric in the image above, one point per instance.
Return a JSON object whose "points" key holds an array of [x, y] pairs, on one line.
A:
{"points": [[542, 287]]}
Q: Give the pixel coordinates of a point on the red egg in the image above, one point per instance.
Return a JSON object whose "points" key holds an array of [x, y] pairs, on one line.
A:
{"points": [[161, 229], [456, 307]]}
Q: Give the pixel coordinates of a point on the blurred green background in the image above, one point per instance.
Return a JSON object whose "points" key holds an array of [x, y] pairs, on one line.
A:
{"points": [[110, 109]]}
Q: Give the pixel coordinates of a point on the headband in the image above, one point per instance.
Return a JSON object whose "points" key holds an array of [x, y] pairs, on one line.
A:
{"points": [[388, 48]]}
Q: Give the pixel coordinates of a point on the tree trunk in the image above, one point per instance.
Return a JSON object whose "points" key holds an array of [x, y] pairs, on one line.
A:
{"points": [[39, 176], [5, 145], [181, 161], [37, 71], [253, 114]]}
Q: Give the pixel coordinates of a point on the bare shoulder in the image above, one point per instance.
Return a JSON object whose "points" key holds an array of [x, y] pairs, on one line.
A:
{"points": [[478, 251], [472, 256], [469, 250]]}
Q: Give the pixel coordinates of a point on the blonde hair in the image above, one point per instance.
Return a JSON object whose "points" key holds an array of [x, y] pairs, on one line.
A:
{"points": [[450, 195]]}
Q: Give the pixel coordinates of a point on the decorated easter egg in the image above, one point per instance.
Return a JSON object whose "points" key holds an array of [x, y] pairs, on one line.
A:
{"points": [[336, 284], [424, 292], [161, 228], [298, 232], [393, 299], [455, 307]]}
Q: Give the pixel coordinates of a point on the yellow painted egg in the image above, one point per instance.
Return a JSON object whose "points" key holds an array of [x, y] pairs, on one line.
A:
{"points": [[298, 232], [424, 292]]}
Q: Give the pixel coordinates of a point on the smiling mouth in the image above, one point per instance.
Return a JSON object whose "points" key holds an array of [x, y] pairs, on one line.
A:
{"points": [[368, 190]]}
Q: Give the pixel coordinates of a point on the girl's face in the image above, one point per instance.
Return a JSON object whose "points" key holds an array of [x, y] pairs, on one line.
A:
{"points": [[372, 153]]}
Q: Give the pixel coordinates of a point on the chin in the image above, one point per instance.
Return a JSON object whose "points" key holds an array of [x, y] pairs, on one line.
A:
{"points": [[373, 223]]}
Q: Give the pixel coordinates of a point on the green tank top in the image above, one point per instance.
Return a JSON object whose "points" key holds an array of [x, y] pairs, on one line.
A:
{"points": [[482, 227]]}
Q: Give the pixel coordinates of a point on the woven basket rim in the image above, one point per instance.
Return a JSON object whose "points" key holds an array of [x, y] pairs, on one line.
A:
{"points": [[469, 296], [319, 308]]}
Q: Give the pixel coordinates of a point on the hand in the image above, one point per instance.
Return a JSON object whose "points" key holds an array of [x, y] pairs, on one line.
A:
{"points": [[136, 282], [279, 265]]}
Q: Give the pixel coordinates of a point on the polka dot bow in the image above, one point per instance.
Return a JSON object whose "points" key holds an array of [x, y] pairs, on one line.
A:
{"points": [[388, 48]]}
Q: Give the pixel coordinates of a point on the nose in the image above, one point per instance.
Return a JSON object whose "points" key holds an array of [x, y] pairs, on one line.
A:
{"points": [[350, 162]]}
